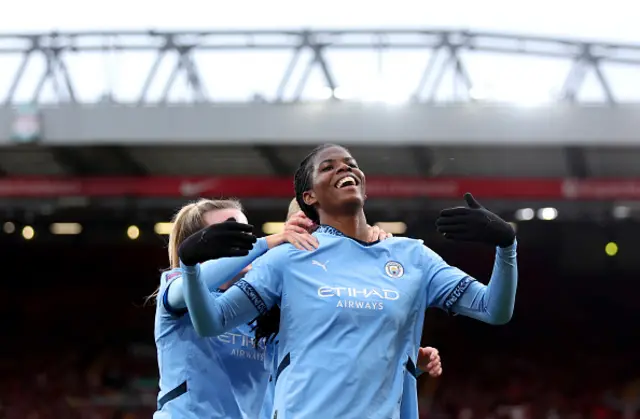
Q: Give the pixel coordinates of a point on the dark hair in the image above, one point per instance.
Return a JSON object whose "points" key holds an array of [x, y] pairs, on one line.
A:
{"points": [[268, 324]]}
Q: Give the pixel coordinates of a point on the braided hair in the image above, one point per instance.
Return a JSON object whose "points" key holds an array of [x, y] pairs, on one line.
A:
{"points": [[268, 324]]}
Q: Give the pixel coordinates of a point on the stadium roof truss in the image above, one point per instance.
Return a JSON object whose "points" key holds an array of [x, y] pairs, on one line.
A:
{"points": [[44, 59]]}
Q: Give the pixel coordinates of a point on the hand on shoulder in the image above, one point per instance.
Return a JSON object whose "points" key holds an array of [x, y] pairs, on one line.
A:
{"points": [[297, 231]]}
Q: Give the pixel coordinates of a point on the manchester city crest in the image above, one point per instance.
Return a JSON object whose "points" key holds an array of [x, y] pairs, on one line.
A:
{"points": [[394, 269]]}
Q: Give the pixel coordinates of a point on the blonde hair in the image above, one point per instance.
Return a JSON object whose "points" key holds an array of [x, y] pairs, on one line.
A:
{"points": [[293, 208], [189, 220]]}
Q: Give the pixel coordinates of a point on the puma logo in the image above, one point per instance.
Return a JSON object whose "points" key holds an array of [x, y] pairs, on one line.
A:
{"points": [[322, 265]]}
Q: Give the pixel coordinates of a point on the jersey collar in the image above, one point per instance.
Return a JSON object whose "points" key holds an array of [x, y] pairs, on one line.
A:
{"points": [[323, 228]]}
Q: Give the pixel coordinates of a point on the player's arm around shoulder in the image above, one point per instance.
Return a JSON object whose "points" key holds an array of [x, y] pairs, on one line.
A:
{"points": [[297, 231], [262, 285]]}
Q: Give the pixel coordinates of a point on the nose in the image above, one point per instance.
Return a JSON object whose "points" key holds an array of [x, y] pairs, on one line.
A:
{"points": [[344, 167]]}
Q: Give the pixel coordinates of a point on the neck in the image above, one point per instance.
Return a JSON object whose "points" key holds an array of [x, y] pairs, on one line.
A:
{"points": [[354, 226]]}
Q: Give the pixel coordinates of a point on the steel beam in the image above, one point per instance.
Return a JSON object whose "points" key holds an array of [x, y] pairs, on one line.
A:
{"points": [[54, 47], [583, 63]]}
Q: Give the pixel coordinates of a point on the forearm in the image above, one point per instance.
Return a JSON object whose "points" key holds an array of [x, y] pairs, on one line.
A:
{"points": [[215, 273], [494, 302], [213, 315]]}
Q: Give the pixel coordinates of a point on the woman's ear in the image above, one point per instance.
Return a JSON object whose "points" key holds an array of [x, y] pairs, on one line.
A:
{"points": [[309, 198]]}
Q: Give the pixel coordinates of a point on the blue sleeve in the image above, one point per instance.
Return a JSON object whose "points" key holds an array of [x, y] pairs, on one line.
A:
{"points": [[214, 273], [213, 314], [454, 291], [263, 283]]}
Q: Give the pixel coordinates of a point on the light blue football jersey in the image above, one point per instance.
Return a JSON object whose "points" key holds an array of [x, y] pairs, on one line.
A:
{"points": [[351, 318], [270, 365], [409, 402], [216, 377]]}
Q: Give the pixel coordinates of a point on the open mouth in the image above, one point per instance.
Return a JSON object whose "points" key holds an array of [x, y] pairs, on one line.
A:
{"points": [[346, 181]]}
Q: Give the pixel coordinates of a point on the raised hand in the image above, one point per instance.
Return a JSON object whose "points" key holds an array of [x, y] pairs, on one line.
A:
{"points": [[474, 223], [226, 239]]}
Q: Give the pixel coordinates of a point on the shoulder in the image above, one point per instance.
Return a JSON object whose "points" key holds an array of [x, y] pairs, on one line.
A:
{"points": [[403, 244], [405, 241], [162, 300], [276, 256], [280, 252], [167, 277], [412, 251]]}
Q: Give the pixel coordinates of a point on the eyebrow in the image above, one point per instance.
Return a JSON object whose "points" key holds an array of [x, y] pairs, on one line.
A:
{"points": [[346, 159]]}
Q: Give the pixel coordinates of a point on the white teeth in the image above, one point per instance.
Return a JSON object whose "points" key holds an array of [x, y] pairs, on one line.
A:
{"points": [[346, 180]]}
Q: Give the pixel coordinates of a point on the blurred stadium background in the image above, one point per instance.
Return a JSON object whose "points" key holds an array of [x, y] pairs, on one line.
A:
{"points": [[103, 135]]}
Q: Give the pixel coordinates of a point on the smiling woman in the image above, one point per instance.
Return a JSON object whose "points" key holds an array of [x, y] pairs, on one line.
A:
{"points": [[344, 187], [351, 310]]}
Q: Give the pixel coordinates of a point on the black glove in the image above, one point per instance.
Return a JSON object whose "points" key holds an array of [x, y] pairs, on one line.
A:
{"points": [[217, 241], [475, 224]]}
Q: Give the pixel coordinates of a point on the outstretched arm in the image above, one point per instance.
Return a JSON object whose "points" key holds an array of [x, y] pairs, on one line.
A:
{"points": [[492, 303], [213, 274], [211, 314], [214, 314], [455, 291]]}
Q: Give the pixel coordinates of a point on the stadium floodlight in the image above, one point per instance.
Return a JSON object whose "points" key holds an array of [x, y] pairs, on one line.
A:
{"points": [[163, 229], [133, 232], [611, 249], [272, 227], [525, 214], [65, 229], [28, 232], [621, 211], [547, 214], [393, 227], [9, 227]]}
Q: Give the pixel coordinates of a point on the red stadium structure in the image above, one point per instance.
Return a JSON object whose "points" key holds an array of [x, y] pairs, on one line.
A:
{"points": [[87, 190]]}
